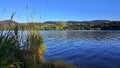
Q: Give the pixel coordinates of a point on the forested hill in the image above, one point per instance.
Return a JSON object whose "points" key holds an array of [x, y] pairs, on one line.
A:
{"points": [[69, 25]]}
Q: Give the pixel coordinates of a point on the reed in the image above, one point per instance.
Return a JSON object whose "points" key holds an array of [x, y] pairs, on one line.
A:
{"points": [[24, 49], [17, 51]]}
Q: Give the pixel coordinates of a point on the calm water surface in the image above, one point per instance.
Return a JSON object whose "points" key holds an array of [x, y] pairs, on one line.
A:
{"points": [[87, 49]]}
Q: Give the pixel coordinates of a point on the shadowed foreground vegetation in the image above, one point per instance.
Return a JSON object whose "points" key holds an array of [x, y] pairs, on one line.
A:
{"points": [[24, 50]]}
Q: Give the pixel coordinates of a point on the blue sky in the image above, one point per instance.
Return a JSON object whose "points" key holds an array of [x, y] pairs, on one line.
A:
{"points": [[60, 10]]}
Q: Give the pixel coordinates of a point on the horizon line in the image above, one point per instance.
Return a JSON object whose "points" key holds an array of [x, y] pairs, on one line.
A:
{"points": [[62, 20]]}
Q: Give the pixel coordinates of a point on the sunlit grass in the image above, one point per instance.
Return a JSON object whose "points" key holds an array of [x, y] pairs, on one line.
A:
{"points": [[17, 51], [24, 49]]}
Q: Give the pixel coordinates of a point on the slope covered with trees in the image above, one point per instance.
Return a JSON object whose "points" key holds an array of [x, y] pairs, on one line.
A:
{"points": [[64, 25]]}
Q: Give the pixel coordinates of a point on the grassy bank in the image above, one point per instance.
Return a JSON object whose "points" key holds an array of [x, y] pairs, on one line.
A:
{"points": [[24, 50]]}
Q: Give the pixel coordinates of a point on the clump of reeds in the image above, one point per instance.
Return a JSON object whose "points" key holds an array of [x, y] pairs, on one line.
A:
{"points": [[24, 50], [8, 49], [17, 51]]}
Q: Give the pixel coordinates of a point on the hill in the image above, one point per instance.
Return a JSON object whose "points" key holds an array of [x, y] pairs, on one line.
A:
{"points": [[8, 22]]}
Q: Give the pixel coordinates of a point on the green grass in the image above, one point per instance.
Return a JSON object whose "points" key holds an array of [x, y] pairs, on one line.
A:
{"points": [[25, 52]]}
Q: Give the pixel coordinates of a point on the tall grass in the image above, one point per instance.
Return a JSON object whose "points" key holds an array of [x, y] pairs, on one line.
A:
{"points": [[21, 52], [24, 49], [8, 49]]}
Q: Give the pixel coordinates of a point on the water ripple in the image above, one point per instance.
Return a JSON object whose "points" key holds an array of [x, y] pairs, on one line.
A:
{"points": [[87, 49]]}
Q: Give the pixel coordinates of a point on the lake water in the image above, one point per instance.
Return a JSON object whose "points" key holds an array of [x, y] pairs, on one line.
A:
{"points": [[87, 49]]}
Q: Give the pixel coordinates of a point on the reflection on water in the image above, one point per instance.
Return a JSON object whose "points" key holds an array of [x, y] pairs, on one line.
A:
{"points": [[87, 49]]}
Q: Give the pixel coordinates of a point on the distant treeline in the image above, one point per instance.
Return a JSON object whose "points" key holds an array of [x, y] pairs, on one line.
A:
{"points": [[60, 25]]}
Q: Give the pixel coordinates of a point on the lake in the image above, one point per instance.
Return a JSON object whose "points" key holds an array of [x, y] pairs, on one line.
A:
{"points": [[85, 48]]}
